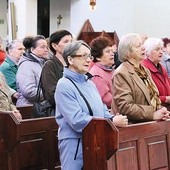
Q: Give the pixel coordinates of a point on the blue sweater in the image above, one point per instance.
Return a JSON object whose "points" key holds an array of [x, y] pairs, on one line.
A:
{"points": [[72, 114]]}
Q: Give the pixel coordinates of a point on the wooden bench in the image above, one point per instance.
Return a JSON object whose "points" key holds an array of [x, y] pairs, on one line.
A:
{"points": [[144, 146], [32, 144], [29, 144], [26, 111]]}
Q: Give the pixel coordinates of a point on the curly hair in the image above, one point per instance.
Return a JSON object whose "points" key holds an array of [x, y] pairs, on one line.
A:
{"points": [[97, 45]]}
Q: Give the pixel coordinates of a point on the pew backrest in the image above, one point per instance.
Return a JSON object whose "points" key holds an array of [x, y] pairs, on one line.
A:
{"points": [[144, 146]]}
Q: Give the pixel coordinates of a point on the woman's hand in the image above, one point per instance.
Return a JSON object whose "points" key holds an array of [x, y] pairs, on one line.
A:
{"points": [[15, 95], [120, 120], [17, 114], [161, 114]]}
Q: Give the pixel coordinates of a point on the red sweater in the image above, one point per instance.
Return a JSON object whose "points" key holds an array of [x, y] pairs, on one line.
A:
{"points": [[161, 79], [2, 56]]}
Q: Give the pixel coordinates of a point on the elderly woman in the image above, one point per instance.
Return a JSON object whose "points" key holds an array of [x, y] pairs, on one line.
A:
{"points": [[154, 52], [77, 111], [15, 50], [29, 70], [134, 92], [102, 70]]}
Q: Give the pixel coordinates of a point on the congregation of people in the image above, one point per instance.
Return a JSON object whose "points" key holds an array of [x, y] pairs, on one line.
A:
{"points": [[128, 82]]}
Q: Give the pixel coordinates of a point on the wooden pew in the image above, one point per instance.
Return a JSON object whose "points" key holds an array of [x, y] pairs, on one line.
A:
{"points": [[29, 144], [144, 146], [26, 111]]}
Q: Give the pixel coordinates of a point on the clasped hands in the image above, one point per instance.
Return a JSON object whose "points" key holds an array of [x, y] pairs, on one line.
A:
{"points": [[161, 114]]}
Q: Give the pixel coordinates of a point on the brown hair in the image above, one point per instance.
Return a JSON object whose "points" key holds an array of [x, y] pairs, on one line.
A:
{"points": [[165, 41], [97, 45]]}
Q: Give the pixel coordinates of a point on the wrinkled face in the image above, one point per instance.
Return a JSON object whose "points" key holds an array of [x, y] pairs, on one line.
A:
{"points": [[107, 58], [41, 50], [81, 61], [137, 51], [167, 49], [156, 54], [63, 42], [17, 51]]}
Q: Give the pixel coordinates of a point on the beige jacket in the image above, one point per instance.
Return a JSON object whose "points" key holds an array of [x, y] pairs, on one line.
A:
{"points": [[130, 95], [5, 95]]}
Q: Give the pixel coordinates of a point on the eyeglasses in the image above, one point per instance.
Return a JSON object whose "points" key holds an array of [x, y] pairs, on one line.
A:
{"points": [[84, 56]]}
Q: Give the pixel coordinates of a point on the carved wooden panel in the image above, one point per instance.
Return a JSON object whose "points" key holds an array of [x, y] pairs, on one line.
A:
{"points": [[157, 145], [87, 34], [128, 155]]}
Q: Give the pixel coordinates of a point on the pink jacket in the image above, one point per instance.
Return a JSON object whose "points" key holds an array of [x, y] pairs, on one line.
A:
{"points": [[103, 81]]}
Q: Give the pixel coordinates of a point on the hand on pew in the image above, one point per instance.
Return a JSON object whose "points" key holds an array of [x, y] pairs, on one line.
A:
{"points": [[120, 120], [17, 114], [161, 114]]}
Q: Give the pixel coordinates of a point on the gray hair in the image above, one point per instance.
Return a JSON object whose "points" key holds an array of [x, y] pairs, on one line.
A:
{"points": [[12, 44], [72, 48], [125, 45], [151, 43]]}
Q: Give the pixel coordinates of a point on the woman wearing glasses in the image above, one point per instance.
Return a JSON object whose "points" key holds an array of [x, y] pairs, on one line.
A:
{"points": [[72, 111], [102, 70]]}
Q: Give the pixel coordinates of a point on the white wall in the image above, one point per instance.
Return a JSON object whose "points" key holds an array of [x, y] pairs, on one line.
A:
{"points": [[26, 17], [153, 17], [3, 16], [109, 15], [59, 7], [123, 16]]}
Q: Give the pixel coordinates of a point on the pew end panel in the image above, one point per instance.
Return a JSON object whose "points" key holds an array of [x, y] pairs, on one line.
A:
{"points": [[30, 144], [100, 141]]}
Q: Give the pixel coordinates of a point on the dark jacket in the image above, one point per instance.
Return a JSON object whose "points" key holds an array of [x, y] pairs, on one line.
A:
{"points": [[52, 71]]}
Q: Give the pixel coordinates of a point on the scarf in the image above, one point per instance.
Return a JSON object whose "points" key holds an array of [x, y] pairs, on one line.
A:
{"points": [[154, 96]]}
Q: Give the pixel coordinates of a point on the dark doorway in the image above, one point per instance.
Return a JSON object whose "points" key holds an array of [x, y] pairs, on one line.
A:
{"points": [[43, 17]]}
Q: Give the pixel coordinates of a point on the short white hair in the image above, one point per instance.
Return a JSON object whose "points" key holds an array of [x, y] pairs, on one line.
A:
{"points": [[151, 43]]}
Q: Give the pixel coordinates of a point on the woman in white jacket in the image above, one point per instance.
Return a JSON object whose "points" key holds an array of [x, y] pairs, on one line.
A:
{"points": [[29, 70]]}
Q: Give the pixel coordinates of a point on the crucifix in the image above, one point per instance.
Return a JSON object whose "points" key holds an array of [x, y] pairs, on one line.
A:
{"points": [[59, 18]]}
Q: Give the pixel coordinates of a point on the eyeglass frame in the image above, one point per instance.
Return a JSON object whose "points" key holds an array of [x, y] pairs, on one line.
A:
{"points": [[84, 56]]}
